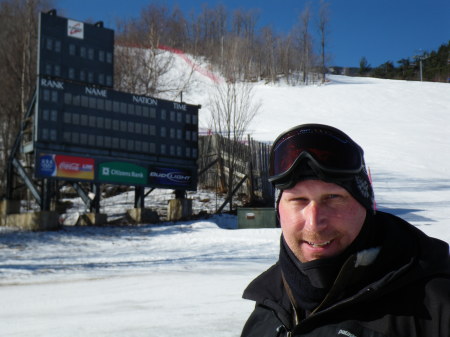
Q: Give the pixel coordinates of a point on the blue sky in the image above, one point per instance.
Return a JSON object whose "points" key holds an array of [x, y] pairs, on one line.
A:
{"points": [[380, 30]]}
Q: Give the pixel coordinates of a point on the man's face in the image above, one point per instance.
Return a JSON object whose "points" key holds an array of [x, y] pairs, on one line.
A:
{"points": [[319, 219]]}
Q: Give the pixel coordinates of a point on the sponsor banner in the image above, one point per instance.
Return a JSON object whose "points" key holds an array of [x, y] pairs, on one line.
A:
{"points": [[75, 29], [61, 166], [121, 172], [170, 176], [46, 165]]}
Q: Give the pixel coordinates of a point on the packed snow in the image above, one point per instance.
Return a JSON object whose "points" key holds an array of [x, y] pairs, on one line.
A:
{"points": [[186, 278]]}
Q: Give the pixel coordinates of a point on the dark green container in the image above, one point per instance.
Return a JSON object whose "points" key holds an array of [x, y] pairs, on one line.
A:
{"points": [[256, 217]]}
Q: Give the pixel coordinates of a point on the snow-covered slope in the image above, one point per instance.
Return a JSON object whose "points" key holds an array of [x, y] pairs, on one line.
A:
{"points": [[186, 279]]}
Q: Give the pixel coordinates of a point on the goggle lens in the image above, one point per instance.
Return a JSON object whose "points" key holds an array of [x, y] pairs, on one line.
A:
{"points": [[332, 150]]}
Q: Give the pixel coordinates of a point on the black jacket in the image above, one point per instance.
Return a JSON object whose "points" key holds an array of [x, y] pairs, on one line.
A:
{"points": [[411, 300]]}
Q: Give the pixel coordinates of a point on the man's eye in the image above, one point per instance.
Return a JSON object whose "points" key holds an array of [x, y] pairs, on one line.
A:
{"points": [[300, 200], [333, 196]]}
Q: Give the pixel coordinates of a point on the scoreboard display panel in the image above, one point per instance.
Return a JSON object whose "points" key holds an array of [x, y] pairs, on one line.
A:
{"points": [[117, 130], [75, 51]]}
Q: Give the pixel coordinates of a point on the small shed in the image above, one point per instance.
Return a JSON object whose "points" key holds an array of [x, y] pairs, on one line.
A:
{"points": [[257, 217]]}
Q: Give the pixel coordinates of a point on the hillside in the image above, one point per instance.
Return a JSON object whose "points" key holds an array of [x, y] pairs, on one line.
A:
{"points": [[401, 125]]}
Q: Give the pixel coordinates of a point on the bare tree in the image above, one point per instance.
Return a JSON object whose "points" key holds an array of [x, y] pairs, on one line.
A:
{"points": [[232, 108], [177, 34], [323, 27], [18, 50], [268, 54], [211, 28], [137, 66], [142, 62], [287, 57], [304, 42], [244, 29]]}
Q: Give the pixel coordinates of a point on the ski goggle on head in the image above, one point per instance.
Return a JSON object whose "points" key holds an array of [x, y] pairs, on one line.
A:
{"points": [[328, 150]]}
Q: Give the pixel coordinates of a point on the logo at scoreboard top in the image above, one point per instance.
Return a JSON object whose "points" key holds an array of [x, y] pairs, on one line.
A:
{"points": [[75, 29]]}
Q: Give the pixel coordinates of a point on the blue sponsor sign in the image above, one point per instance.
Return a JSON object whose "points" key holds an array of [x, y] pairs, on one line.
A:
{"points": [[167, 176], [47, 165]]}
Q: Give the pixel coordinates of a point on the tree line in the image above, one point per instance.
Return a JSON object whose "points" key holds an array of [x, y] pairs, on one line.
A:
{"points": [[233, 42], [435, 67]]}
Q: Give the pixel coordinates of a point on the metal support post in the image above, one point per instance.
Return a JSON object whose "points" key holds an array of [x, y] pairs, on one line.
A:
{"points": [[46, 195], [421, 77], [180, 194], [139, 198], [82, 193], [95, 204]]}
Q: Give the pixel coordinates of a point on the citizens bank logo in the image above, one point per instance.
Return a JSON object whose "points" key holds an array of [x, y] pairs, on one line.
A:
{"points": [[121, 172]]}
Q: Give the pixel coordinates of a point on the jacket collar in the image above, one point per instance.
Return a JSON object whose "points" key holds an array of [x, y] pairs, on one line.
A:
{"points": [[420, 256]]}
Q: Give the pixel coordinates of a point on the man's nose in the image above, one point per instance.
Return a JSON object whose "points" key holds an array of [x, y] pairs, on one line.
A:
{"points": [[314, 217]]}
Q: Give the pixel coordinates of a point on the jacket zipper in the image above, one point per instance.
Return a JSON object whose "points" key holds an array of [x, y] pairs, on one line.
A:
{"points": [[333, 307], [297, 322]]}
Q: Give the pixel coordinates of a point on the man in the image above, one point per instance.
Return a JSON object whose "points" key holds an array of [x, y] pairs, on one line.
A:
{"points": [[344, 269]]}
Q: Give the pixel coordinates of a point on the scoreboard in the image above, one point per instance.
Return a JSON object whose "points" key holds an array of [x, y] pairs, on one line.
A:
{"points": [[86, 131]]}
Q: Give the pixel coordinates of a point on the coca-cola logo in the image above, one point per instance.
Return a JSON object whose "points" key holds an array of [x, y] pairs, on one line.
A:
{"points": [[69, 166]]}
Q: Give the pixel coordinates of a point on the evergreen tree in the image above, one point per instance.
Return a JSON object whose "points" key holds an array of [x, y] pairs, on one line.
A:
{"points": [[364, 66]]}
